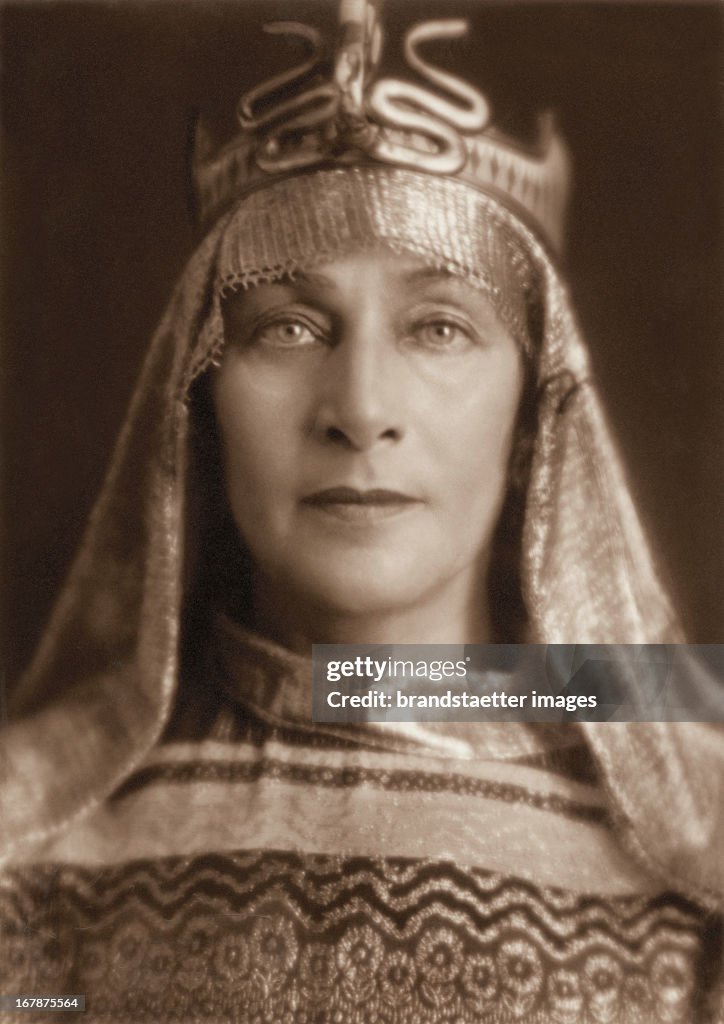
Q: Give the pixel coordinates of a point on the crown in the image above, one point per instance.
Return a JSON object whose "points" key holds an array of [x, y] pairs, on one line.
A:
{"points": [[335, 110]]}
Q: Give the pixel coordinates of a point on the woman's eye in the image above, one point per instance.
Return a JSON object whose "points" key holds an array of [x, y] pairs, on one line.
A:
{"points": [[443, 334], [286, 333]]}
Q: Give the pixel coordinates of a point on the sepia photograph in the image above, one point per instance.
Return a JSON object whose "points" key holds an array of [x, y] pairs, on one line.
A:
{"points": [[340, 335]]}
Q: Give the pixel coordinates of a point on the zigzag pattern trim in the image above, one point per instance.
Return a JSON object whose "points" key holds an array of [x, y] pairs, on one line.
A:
{"points": [[283, 938]]}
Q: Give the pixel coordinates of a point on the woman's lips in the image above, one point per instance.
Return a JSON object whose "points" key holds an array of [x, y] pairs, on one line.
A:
{"points": [[360, 506]]}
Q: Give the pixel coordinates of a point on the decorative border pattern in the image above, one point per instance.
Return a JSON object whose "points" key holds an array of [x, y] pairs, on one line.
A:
{"points": [[279, 938]]}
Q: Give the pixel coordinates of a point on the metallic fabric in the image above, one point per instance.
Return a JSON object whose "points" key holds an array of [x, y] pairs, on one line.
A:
{"points": [[248, 872], [274, 937]]}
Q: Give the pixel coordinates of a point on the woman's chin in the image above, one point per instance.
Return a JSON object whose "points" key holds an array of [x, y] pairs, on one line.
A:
{"points": [[364, 588]]}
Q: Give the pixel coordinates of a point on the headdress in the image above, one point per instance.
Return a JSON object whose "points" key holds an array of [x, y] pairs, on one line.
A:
{"points": [[104, 678], [337, 110]]}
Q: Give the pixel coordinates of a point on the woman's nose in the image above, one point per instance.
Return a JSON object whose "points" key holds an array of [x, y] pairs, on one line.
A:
{"points": [[359, 401]]}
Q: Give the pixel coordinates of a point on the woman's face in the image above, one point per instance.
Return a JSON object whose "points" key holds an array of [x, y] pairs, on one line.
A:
{"points": [[366, 411]]}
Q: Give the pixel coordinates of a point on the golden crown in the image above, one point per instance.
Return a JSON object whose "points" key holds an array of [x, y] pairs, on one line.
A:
{"points": [[334, 112]]}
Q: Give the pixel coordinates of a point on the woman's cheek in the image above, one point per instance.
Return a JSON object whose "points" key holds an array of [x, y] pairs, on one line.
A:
{"points": [[474, 426]]}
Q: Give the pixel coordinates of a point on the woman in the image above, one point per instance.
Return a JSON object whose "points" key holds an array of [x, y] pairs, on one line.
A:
{"points": [[366, 417]]}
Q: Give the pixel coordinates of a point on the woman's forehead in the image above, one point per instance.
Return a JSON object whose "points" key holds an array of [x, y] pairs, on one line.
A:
{"points": [[394, 275], [402, 265]]}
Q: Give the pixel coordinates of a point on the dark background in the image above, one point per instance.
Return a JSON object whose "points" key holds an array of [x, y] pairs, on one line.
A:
{"points": [[96, 104]]}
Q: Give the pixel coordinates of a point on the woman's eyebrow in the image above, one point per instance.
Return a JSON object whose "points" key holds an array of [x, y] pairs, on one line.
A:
{"points": [[421, 275], [312, 278]]}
